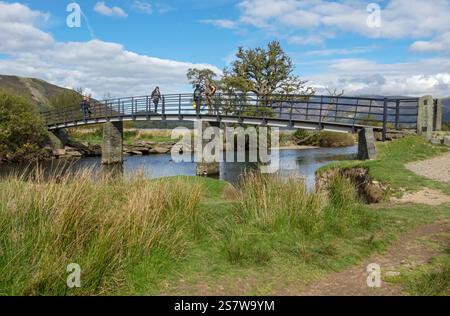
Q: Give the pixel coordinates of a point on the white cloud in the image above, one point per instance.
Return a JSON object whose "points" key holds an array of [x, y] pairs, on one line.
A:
{"points": [[142, 7], [439, 44], [361, 76], [399, 18], [99, 66], [102, 8], [18, 31], [226, 24], [340, 51], [306, 40]]}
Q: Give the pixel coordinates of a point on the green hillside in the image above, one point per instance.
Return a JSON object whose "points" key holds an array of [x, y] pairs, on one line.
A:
{"points": [[38, 91]]}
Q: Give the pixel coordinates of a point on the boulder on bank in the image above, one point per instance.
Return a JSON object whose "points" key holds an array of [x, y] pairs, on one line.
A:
{"points": [[369, 190], [160, 150]]}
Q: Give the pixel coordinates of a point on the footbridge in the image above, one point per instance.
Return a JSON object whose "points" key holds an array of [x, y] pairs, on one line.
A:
{"points": [[316, 112]]}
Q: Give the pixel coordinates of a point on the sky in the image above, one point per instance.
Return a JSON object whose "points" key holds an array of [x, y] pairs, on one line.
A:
{"points": [[124, 48]]}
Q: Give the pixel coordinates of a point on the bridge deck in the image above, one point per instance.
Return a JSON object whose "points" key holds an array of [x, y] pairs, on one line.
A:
{"points": [[342, 114]]}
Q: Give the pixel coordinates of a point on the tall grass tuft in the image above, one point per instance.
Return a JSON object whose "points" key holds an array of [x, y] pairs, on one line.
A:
{"points": [[271, 202], [106, 226], [276, 216]]}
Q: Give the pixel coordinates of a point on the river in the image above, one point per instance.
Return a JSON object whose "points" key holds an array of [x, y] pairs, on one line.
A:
{"points": [[297, 163]]}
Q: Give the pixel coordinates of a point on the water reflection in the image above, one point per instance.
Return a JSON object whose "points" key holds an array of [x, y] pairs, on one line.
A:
{"points": [[295, 163]]}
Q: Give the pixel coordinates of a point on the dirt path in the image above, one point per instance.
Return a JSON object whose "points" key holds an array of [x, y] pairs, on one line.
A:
{"points": [[408, 251], [412, 249], [437, 168], [426, 196]]}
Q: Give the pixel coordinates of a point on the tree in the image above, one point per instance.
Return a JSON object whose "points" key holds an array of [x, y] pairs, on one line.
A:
{"points": [[21, 128], [263, 72], [198, 76]]}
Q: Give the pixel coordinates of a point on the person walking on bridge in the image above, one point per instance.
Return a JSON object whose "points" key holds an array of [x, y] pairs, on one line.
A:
{"points": [[156, 96], [198, 97], [210, 91], [86, 106]]}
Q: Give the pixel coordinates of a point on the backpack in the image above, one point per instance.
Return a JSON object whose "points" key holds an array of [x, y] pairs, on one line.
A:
{"points": [[197, 93]]}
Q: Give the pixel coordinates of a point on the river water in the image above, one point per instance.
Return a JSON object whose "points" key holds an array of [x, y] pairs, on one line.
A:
{"points": [[297, 163]]}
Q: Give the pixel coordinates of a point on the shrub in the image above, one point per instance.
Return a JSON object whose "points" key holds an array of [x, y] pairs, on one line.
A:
{"points": [[324, 139], [21, 128]]}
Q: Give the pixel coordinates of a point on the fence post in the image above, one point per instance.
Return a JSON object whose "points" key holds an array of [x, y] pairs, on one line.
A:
{"points": [[397, 115], [425, 116], [385, 119]]}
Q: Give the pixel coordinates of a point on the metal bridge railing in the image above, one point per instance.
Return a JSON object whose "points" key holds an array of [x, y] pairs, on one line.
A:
{"points": [[382, 113]]}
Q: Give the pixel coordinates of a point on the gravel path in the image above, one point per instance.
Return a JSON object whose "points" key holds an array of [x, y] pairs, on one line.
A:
{"points": [[437, 168], [409, 251]]}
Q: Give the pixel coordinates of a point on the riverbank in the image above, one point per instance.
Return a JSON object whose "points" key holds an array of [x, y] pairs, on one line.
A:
{"points": [[87, 143], [199, 236]]}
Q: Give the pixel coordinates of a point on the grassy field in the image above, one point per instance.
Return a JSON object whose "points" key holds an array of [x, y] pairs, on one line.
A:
{"points": [[187, 235]]}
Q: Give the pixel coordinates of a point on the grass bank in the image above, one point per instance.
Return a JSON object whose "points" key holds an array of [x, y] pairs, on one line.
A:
{"points": [[190, 236], [389, 167], [106, 228]]}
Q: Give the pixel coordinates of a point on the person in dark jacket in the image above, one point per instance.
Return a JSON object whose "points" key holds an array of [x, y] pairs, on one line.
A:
{"points": [[156, 96], [198, 97], [86, 106]]}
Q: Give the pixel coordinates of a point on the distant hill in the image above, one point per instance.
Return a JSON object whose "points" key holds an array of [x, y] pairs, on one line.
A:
{"points": [[36, 90]]}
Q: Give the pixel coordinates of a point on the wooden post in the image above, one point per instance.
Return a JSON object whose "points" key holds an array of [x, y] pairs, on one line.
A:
{"points": [[397, 115], [385, 119]]}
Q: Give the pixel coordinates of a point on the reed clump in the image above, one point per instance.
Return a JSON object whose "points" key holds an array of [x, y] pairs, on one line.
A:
{"points": [[106, 226]]}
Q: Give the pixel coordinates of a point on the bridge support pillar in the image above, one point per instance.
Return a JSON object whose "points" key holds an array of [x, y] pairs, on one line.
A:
{"points": [[366, 144], [203, 167], [437, 126], [425, 117], [112, 147], [58, 139]]}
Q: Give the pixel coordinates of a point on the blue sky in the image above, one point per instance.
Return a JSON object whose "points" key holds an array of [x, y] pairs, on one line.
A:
{"points": [[386, 47]]}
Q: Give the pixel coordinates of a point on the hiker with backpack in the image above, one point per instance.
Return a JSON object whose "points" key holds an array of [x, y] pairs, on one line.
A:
{"points": [[198, 97], [210, 91]]}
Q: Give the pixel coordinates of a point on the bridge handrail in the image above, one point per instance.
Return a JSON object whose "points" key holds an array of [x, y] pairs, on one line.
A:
{"points": [[289, 107]]}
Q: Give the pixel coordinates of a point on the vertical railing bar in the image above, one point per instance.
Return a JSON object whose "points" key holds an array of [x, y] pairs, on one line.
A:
{"points": [[337, 108], [179, 106], [397, 115], [355, 114], [290, 112], [163, 107], [385, 113], [320, 113]]}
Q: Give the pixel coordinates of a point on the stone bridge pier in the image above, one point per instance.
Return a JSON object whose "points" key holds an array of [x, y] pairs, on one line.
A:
{"points": [[112, 146], [207, 168], [366, 144], [58, 138]]}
